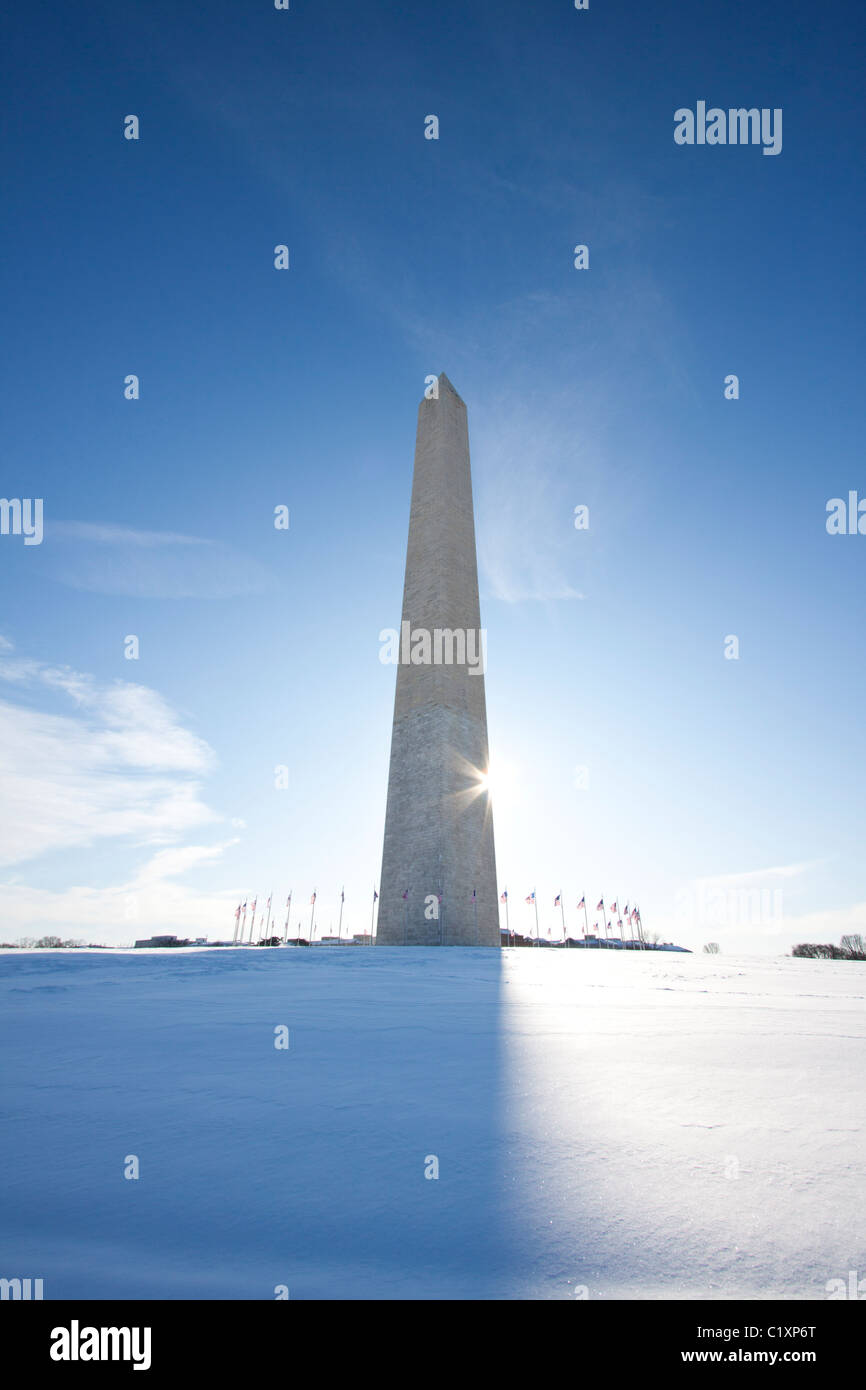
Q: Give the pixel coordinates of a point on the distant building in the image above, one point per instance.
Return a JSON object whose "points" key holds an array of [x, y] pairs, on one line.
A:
{"points": [[592, 942], [169, 941]]}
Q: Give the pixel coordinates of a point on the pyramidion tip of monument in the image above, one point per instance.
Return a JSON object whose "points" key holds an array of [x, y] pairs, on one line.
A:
{"points": [[445, 386]]}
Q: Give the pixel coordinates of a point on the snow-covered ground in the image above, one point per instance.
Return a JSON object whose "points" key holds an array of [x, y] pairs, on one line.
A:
{"points": [[640, 1126]]}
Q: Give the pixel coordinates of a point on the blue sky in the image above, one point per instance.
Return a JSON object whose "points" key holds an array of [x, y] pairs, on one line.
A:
{"points": [[139, 795]]}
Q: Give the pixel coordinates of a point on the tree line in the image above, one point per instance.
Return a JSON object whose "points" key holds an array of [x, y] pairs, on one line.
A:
{"points": [[849, 948]]}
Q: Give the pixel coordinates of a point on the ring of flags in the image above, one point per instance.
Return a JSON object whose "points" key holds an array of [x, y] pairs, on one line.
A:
{"points": [[630, 917]]}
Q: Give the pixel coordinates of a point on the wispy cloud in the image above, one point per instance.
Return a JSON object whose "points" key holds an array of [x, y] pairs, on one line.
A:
{"points": [[149, 902], [740, 909], [828, 925], [123, 535], [531, 468], [115, 763], [759, 877], [108, 559], [171, 863]]}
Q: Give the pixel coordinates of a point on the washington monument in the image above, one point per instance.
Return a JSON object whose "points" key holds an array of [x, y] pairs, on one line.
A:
{"points": [[438, 884]]}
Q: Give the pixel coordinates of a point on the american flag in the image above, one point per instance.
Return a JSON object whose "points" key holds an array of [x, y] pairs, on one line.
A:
{"points": [[556, 902], [312, 899], [599, 907], [473, 895], [531, 898], [375, 895], [405, 895], [503, 897], [613, 907], [581, 904]]}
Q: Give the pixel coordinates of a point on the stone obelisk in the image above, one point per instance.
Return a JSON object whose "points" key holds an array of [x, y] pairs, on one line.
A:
{"points": [[438, 884]]}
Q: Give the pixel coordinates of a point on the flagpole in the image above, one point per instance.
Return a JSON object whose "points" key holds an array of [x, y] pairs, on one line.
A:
{"points": [[268, 924], [312, 915], [340, 924], [372, 913], [535, 900], [562, 910], [288, 915], [507, 921], [585, 919], [475, 905], [243, 926], [253, 918], [406, 919]]}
